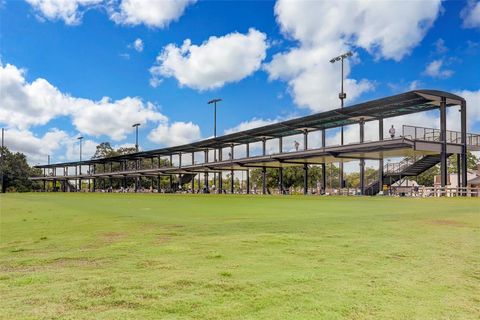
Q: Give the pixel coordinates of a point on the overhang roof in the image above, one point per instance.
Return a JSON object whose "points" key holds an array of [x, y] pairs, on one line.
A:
{"points": [[388, 107]]}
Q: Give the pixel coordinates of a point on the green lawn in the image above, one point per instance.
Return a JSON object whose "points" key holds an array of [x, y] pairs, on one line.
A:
{"points": [[145, 256]]}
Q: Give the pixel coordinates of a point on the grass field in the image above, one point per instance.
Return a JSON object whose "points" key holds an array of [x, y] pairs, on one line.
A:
{"points": [[148, 256]]}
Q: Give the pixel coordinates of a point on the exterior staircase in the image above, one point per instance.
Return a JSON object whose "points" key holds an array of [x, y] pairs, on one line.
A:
{"points": [[408, 167], [187, 178]]}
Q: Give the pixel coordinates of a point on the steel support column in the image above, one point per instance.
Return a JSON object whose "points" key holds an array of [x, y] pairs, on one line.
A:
{"points": [[232, 181], [443, 140], [463, 133], [280, 180], [305, 139], [94, 179], [380, 162], [220, 174], [264, 180], [459, 170], [362, 161], [324, 165], [248, 170], [280, 170], [305, 179], [264, 170], [206, 173]]}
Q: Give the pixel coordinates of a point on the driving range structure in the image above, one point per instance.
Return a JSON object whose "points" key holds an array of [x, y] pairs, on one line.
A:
{"points": [[421, 148]]}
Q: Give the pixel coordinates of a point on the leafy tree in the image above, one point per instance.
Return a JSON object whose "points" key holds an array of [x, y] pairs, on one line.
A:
{"points": [[15, 172], [472, 161], [104, 150]]}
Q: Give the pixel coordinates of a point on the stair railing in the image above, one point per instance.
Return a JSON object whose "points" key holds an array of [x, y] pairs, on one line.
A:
{"points": [[398, 167]]}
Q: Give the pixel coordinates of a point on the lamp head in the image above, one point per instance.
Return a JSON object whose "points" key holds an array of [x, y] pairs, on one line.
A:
{"points": [[214, 101]]}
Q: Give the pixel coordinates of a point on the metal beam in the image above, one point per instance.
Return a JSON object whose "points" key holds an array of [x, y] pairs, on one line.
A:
{"points": [[463, 134], [443, 140], [362, 161]]}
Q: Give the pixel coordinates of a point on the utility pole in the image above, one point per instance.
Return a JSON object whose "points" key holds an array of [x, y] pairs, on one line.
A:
{"points": [[342, 96]]}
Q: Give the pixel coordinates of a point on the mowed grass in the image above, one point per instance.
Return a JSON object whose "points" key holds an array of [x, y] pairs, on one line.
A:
{"points": [[150, 256]]}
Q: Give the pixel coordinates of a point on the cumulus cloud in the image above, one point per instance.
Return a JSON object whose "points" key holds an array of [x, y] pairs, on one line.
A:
{"points": [[473, 105], [217, 61], [57, 144], [113, 118], [325, 29], [254, 123], [36, 148], [138, 45], [177, 133], [26, 104], [471, 15], [434, 70], [152, 13], [70, 11]]}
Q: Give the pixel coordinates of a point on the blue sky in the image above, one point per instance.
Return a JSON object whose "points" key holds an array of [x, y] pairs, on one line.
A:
{"points": [[275, 71]]}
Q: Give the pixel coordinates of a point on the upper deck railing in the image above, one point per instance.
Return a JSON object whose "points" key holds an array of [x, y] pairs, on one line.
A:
{"points": [[431, 134]]}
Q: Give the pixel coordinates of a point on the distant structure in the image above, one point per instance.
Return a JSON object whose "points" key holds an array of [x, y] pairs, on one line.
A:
{"points": [[421, 148]]}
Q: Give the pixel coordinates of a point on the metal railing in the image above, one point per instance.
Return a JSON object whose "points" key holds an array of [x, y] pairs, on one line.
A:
{"points": [[398, 167], [431, 134]]}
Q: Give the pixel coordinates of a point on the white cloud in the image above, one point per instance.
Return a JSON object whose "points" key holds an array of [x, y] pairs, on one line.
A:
{"points": [[138, 45], [440, 47], [177, 133], [372, 25], [473, 105], [325, 29], [72, 153], [471, 15], [36, 148], [246, 125], [70, 11], [152, 13], [217, 61], [113, 118], [27, 104], [52, 143], [434, 70]]}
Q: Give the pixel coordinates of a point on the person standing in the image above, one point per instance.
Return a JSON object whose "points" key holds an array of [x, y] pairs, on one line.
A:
{"points": [[392, 132]]}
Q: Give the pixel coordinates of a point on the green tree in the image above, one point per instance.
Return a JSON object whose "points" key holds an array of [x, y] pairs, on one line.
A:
{"points": [[104, 150], [15, 172]]}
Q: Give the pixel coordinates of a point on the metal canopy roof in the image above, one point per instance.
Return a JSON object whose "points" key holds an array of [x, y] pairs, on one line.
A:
{"points": [[393, 106]]}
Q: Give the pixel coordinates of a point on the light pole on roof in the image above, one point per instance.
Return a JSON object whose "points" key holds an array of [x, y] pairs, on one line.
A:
{"points": [[342, 95]]}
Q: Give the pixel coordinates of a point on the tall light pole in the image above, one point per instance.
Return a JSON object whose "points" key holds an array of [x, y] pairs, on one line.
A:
{"points": [[342, 95], [136, 135], [80, 141], [214, 101], [137, 179]]}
